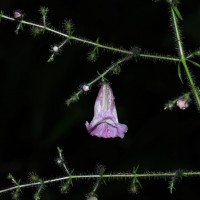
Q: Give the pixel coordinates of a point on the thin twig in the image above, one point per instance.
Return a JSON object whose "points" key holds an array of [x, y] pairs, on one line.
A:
{"points": [[105, 176], [122, 51]]}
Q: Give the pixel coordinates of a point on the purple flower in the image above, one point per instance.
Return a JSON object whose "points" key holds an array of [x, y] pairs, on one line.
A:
{"points": [[182, 103], [105, 121]]}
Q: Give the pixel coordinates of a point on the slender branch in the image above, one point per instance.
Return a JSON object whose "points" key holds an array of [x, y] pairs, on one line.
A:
{"points": [[118, 50], [193, 54], [110, 69], [62, 161], [98, 177], [105, 176], [76, 95], [166, 58], [183, 59], [190, 56]]}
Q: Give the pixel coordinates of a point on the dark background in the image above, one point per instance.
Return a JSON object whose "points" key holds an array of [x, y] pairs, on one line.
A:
{"points": [[34, 119]]}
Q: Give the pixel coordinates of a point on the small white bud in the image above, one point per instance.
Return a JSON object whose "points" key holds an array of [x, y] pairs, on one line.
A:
{"points": [[55, 49], [59, 161], [17, 14], [86, 88]]}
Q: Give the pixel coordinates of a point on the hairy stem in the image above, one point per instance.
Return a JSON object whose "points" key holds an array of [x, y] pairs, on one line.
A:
{"points": [[105, 176], [122, 51], [183, 59], [99, 77]]}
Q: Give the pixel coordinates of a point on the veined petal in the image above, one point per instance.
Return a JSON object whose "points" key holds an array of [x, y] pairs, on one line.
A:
{"points": [[105, 101], [105, 121], [106, 130]]}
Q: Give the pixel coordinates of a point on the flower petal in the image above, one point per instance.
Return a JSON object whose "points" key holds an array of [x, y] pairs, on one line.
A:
{"points": [[105, 101], [105, 121], [106, 130]]}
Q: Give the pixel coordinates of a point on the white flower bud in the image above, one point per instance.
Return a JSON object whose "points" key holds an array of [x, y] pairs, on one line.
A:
{"points": [[59, 161], [55, 49], [17, 14], [86, 88]]}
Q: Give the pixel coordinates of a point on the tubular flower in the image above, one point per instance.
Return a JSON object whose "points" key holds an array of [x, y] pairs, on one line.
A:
{"points": [[105, 121]]}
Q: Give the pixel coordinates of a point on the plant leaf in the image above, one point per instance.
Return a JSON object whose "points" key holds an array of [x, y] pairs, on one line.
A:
{"points": [[178, 14], [179, 72], [194, 63]]}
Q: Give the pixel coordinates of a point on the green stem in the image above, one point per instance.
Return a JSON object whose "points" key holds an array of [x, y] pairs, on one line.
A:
{"points": [[183, 59], [122, 51], [159, 57], [105, 176]]}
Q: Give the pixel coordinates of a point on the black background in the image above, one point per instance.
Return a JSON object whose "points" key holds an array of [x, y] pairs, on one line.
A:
{"points": [[34, 119]]}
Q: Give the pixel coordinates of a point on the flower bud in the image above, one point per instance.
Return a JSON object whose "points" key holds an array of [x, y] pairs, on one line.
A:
{"points": [[182, 104], [55, 49], [86, 88], [17, 14]]}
